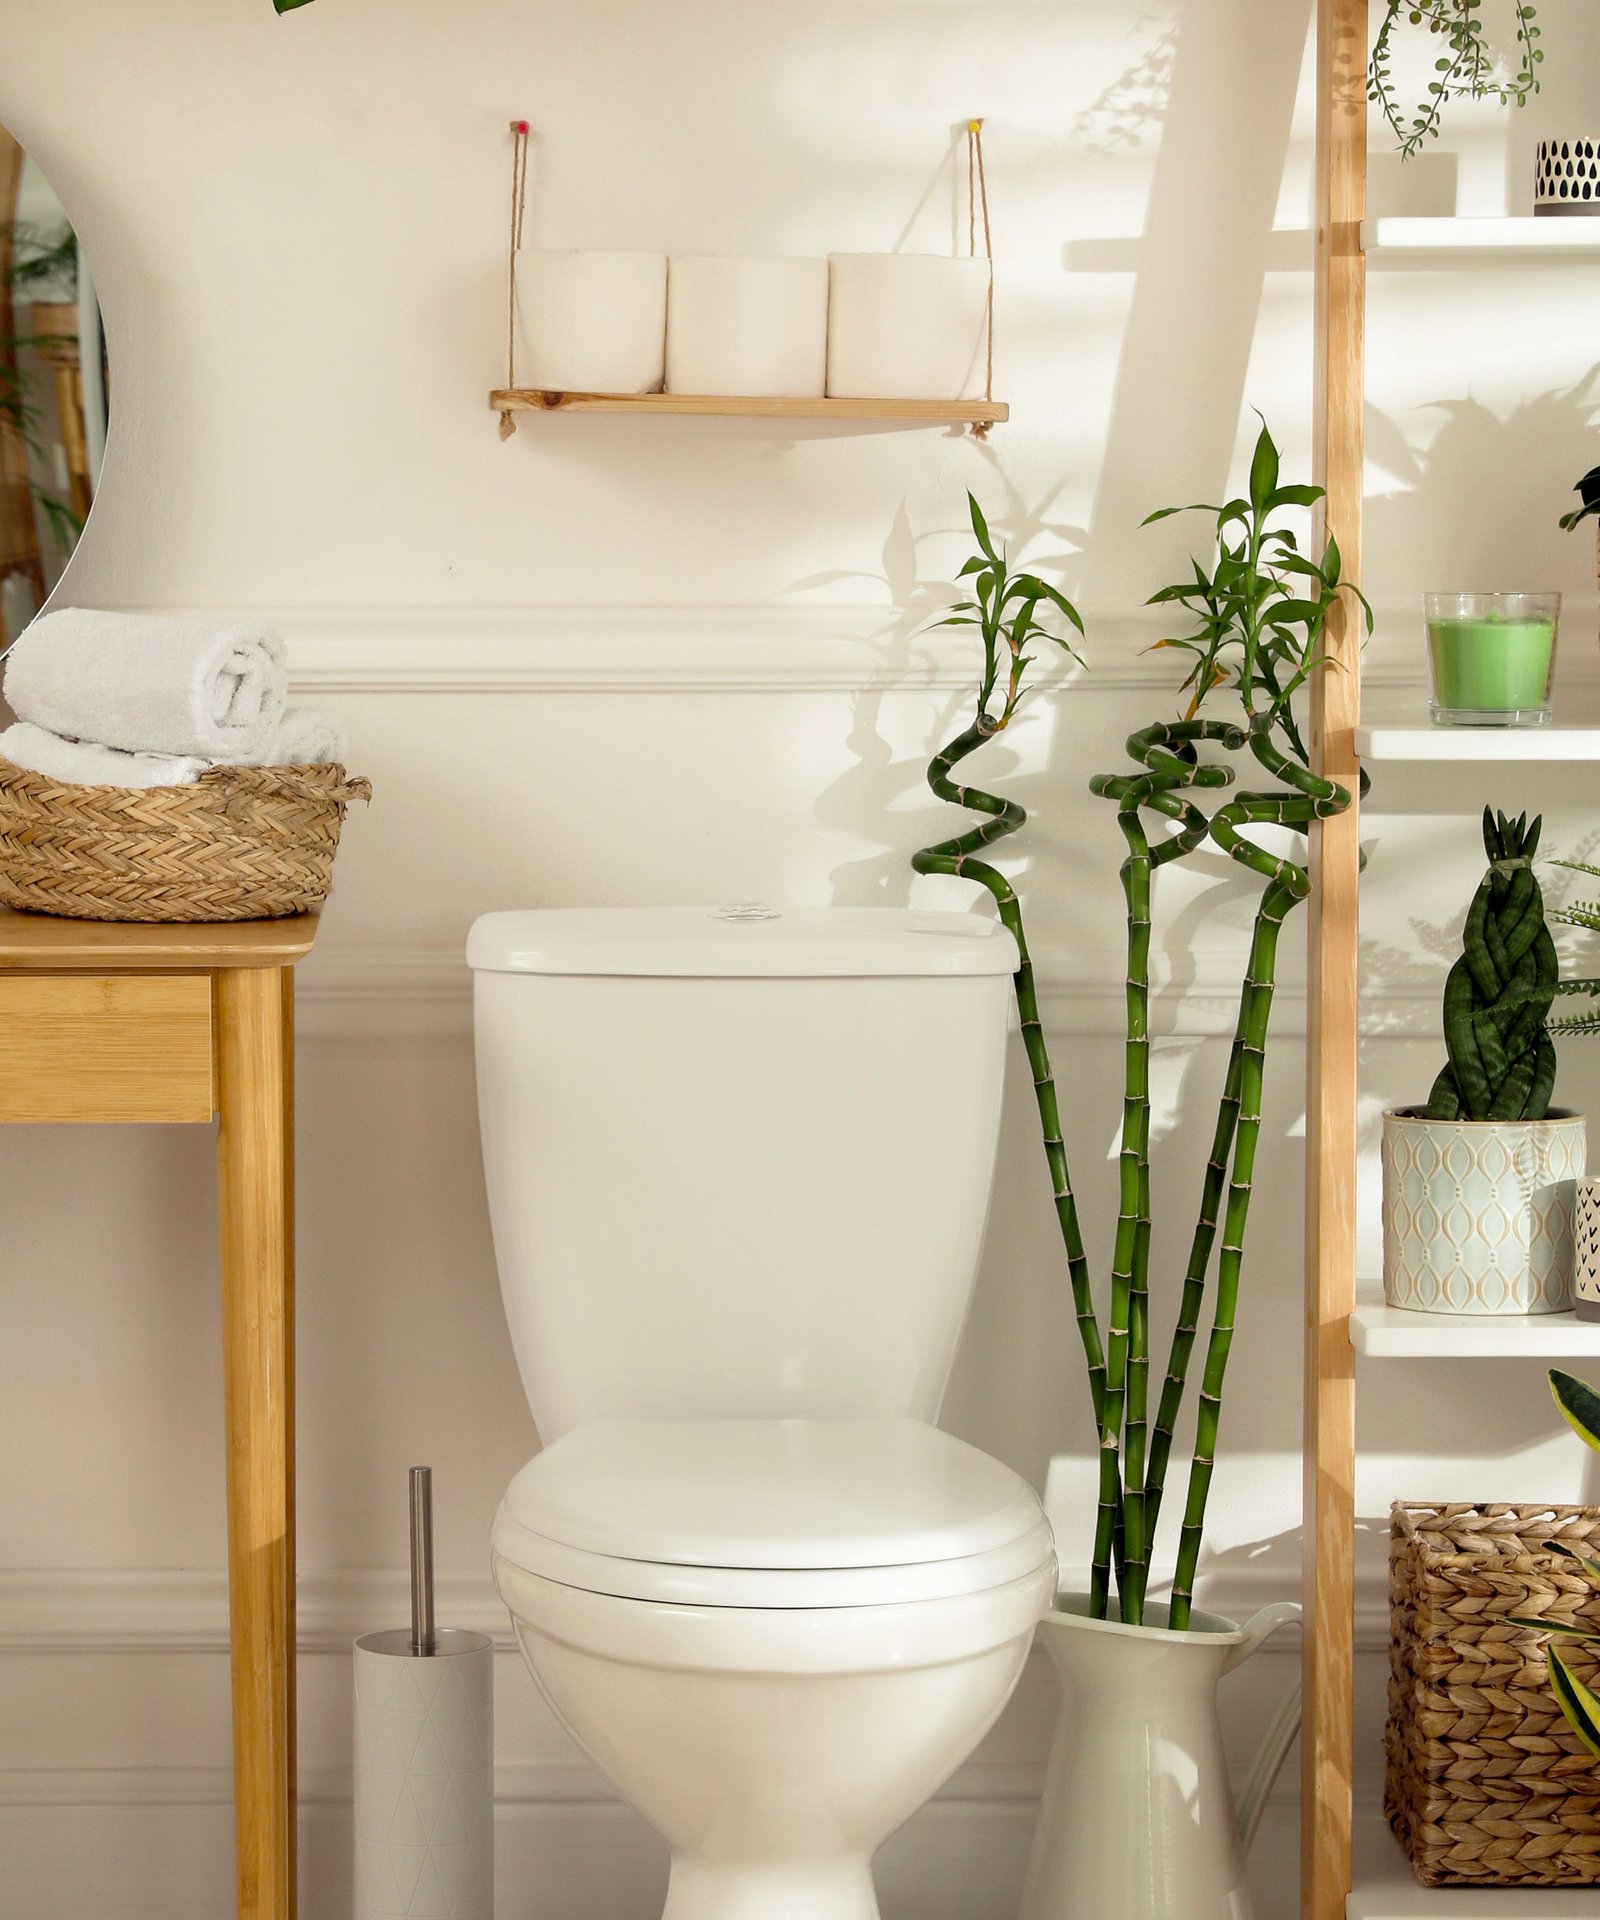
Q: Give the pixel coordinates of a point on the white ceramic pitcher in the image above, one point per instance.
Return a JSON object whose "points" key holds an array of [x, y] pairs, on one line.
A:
{"points": [[1138, 1819]]}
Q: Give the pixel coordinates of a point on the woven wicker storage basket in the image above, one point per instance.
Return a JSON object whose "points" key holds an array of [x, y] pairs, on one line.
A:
{"points": [[241, 843], [1484, 1781]]}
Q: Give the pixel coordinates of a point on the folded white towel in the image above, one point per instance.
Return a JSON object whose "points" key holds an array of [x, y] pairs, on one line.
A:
{"points": [[147, 684], [80, 763], [307, 737]]}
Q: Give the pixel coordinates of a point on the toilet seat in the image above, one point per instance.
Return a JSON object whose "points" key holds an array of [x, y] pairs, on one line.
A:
{"points": [[779, 1514]]}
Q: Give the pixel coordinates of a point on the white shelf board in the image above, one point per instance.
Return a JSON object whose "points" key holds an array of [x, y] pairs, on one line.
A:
{"points": [[1396, 1333], [1534, 745], [1387, 1889], [1403, 233]]}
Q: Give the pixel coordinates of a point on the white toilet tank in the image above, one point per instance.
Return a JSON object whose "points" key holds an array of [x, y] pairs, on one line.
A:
{"points": [[738, 1165]]}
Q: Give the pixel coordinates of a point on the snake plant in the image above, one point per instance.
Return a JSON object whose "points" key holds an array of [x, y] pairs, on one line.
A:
{"points": [[1502, 1065], [1580, 1406], [1258, 620]]}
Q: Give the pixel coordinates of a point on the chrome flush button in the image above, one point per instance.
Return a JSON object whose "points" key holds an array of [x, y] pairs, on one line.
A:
{"points": [[745, 910]]}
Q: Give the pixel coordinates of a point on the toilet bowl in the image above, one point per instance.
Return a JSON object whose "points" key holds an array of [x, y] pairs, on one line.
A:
{"points": [[846, 1609], [738, 1165]]}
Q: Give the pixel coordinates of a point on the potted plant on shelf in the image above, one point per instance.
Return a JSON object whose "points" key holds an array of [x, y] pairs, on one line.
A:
{"points": [[1478, 1185], [1120, 1832]]}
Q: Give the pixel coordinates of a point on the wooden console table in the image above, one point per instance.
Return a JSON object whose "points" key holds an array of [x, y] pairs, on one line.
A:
{"points": [[107, 1022]]}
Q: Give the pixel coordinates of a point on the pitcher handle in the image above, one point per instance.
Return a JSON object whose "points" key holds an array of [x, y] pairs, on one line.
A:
{"points": [[1280, 1735]]}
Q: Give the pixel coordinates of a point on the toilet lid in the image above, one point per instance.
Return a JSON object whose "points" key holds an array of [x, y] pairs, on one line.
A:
{"points": [[771, 1513]]}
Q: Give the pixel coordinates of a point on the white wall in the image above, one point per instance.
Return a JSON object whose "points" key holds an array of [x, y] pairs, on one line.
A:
{"points": [[621, 660]]}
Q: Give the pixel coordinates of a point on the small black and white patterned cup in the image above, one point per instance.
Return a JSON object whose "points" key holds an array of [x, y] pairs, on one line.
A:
{"points": [[1586, 1251], [1566, 176]]}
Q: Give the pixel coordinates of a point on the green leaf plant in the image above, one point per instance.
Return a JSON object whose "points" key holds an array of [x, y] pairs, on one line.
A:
{"points": [[1466, 67], [1256, 628], [1580, 1407], [1588, 507]]}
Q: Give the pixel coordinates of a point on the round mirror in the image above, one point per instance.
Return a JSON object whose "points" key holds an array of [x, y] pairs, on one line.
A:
{"points": [[53, 389]]}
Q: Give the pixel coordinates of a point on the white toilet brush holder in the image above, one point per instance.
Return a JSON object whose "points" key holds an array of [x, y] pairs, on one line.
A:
{"points": [[424, 1757]]}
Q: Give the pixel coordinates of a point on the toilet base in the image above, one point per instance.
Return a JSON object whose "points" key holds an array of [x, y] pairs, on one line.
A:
{"points": [[761, 1889]]}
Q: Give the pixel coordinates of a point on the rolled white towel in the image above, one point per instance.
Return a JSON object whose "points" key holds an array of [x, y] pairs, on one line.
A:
{"points": [[148, 684], [307, 737], [81, 763]]}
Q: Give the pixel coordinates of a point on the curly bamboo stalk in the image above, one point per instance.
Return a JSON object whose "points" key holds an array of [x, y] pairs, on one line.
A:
{"points": [[1309, 797], [955, 856], [1168, 751]]}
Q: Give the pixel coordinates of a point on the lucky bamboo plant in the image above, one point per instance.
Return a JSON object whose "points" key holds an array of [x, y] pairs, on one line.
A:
{"points": [[1580, 1406], [1259, 615]]}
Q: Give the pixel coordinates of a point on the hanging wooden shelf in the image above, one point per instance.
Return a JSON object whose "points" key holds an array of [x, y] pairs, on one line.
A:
{"points": [[912, 413]]}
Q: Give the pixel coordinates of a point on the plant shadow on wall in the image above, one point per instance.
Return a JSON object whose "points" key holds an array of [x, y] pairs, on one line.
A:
{"points": [[877, 785], [1532, 450]]}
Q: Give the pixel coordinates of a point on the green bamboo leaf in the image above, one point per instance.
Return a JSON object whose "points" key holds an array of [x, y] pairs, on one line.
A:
{"points": [[1579, 1705], [980, 528], [1296, 496], [1263, 472], [1579, 1404]]}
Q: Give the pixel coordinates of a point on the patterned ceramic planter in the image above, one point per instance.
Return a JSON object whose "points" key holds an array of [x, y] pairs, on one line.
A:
{"points": [[1477, 1214]]}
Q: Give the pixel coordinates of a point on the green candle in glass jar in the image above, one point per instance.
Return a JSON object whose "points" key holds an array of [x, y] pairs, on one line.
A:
{"points": [[1492, 657]]}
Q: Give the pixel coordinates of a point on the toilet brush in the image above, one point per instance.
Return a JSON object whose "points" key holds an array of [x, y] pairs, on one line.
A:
{"points": [[424, 1756]]}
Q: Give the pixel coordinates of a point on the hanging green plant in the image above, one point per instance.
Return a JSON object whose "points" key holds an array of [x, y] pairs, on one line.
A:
{"points": [[1259, 616], [1467, 66]]}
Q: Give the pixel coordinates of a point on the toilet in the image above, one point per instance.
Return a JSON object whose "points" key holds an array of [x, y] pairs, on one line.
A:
{"points": [[738, 1165]]}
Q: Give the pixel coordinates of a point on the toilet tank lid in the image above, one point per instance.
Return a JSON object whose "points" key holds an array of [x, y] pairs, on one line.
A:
{"points": [[741, 942]]}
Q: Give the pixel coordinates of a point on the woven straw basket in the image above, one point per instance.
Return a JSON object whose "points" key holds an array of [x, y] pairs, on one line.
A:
{"points": [[1485, 1783], [241, 843]]}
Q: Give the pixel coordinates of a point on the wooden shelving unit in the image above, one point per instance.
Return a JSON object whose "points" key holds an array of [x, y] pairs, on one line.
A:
{"points": [[1379, 1332], [908, 413], [1346, 1876], [1407, 234], [1477, 745]]}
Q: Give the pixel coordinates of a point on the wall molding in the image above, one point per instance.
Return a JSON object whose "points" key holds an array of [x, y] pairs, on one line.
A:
{"points": [[181, 1610], [352, 992], [777, 647]]}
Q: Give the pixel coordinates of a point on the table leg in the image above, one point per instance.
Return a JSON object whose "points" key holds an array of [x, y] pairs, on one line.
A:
{"points": [[255, 1167]]}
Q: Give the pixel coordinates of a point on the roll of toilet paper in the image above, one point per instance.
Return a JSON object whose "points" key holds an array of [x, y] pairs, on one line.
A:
{"points": [[593, 322], [424, 1777], [747, 323], [907, 326], [1586, 1251]]}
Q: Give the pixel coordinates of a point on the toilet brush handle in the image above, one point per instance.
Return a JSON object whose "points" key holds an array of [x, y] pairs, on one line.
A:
{"points": [[422, 1629]]}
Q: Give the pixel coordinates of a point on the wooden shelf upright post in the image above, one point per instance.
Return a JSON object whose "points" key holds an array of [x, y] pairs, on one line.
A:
{"points": [[1329, 1513]]}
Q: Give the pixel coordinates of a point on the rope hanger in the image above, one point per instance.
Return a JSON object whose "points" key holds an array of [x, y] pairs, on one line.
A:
{"points": [[977, 205], [519, 202]]}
